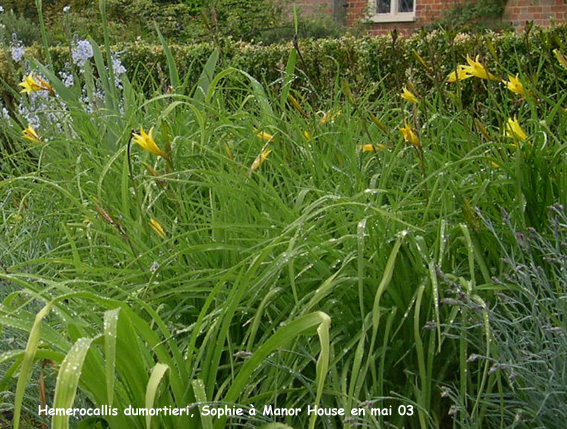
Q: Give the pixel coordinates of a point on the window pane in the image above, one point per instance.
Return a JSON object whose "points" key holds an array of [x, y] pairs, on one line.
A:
{"points": [[383, 6], [405, 5]]}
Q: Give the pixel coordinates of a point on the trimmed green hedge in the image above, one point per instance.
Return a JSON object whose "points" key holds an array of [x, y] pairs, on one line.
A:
{"points": [[382, 63]]}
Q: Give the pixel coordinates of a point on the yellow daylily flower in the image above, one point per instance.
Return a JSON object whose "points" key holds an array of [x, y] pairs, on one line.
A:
{"points": [[29, 84], [475, 68], [147, 142], [371, 147], [263, 135], [33, 83], [408, 95], [156, 226], [514, 130], [409, 134], [561, 58], [297, 106], [515, 86], [460, 74], [30, 134], [478, 70], [260, 159], [228, 151]]}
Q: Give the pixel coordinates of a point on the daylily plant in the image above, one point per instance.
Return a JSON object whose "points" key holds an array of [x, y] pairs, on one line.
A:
{"points": [[146, 141], [514, 130], [158, 229], [33, 83], [30, 134], [409, 134], [409, 96], [474, 69]]}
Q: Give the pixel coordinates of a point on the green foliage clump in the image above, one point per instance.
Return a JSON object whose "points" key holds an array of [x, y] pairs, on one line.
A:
{"points": [[194, 6], [307, 28], [129, 20], [478, 12], [380, 62], [242, 19], [186, 21], [26, 8], [24, 28]]}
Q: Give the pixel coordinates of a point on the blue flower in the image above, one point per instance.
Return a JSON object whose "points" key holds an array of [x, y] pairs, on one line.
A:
{"points": [[18, 50], [81, 52]]}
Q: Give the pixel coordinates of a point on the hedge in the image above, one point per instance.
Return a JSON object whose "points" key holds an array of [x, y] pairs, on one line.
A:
{"points": [[383, 62]]}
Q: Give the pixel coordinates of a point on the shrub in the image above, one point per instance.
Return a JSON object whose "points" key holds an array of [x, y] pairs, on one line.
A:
{"points": [[308, 28], [242, 19], [26, 30], [378, 62]]}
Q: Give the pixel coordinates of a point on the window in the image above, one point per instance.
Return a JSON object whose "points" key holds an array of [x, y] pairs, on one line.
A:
{"points": [[392, 10]]}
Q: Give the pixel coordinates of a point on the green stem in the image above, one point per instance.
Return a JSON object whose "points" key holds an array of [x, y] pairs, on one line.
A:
{"points": [[44, 41]]}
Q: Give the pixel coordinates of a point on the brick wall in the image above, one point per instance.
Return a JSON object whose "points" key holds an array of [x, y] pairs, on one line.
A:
{"points": [[542, 12], [426, 12]]}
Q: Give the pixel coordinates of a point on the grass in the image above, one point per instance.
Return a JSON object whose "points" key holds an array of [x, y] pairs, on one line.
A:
{"points": [[317, 274]]}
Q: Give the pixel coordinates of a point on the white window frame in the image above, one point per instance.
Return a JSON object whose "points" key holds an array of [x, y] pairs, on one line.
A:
{"points": [[394, 15]]}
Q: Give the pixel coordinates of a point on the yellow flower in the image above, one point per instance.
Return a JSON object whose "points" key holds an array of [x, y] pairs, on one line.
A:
{"points": [[460, 74], [515, 86], [409, 96], [263, 135], [371, 147], [30, 84], [307, 135], [514, 130], [478, 70], [409, 134], [329, 117], [30, 134], [156, 226], [297, 106], [260, 159], [474, 68], [228, 151], [147, 142], [561, 58]]}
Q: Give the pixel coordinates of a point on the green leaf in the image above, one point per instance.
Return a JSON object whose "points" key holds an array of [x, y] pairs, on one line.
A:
{"points": [[68, 380], [276, 426], [201, 396], [110, 334], [289, 75], [171, 66], [157, 374], [25, 371], [279, 340], [206, 76]]}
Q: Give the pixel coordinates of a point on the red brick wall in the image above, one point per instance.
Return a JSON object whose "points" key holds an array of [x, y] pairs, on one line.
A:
{"points": [[426, 12], [541, 12]]}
